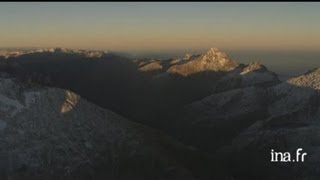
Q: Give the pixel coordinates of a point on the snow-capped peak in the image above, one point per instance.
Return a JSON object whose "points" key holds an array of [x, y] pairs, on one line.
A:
{"points": [[310, 80], [215, 55], [213, 60]]}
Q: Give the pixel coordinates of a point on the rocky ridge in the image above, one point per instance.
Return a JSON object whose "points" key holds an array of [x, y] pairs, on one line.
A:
{"points": [[51, 133]]}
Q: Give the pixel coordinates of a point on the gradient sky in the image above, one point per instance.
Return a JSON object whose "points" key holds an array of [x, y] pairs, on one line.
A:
{"points": [[142, 26]]}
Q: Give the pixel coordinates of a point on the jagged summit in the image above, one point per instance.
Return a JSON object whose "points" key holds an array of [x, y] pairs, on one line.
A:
{"points": [[214, 49], [215, 54], [212, 60]]}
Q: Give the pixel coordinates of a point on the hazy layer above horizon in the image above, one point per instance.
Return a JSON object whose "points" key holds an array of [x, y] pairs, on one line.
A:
{"points": [[144, 26]]}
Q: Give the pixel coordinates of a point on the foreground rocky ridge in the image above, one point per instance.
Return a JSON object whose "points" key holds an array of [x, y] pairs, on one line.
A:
{"points": [[51, 133]]}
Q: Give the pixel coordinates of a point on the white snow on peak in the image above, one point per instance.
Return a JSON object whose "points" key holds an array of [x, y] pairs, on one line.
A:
{"points": [[213, 60], [309, 80], [214, 54]]}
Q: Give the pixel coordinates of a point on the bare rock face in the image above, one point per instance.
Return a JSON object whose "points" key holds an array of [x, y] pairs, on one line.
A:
{"points": [[213, 60], [51, 133]]}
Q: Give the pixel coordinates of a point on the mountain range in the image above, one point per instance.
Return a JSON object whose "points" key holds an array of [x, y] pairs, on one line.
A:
{"points": [[102, 115]]}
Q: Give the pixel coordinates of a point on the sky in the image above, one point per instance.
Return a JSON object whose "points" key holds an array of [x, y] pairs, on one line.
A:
{"points": [[161, 26]]}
